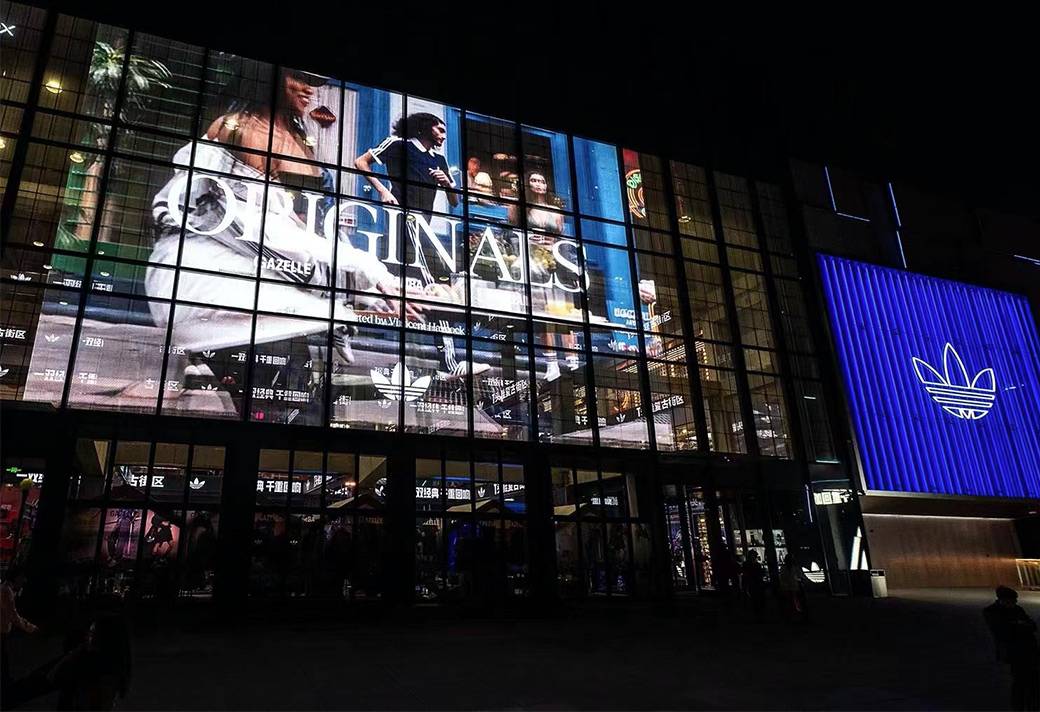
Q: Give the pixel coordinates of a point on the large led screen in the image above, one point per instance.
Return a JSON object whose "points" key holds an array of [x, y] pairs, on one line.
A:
{"points": [[270, 244], [942, 378]]}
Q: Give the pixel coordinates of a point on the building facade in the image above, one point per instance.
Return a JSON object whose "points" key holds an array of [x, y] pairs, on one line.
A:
{"points": [[270, 333]]}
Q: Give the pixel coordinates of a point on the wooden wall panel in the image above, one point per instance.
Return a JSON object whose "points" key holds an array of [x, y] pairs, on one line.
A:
{"points": [[926, 552]]}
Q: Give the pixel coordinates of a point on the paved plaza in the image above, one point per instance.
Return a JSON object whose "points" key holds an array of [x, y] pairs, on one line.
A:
{"points": [[925, 650]]}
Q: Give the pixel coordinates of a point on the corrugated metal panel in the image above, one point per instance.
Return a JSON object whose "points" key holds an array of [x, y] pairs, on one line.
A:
{"points": [[929, 414]]}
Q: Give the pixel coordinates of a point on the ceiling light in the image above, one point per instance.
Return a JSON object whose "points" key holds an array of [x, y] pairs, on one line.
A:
{"points": [[231, 123], [37, 243], [53, 86], [77, 157]]}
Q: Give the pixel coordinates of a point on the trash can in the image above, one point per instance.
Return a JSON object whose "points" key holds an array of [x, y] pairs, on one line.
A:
{"points": [[878, 583]]}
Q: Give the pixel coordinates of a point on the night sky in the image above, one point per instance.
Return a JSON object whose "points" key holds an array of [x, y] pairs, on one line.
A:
{"points": [[944, 103]]}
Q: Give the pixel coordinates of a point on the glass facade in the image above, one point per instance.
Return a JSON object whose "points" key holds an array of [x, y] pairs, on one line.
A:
{"points": [[207, 238]]}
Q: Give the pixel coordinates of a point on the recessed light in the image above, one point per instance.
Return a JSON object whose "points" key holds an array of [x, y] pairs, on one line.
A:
{"points": [[53, 86], [37, 243], [3, 143], [77, 157], [105, 274]]}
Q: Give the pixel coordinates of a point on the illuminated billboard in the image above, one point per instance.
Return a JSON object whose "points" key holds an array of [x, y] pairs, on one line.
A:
{"points": [[270, 244], [942, 379]]}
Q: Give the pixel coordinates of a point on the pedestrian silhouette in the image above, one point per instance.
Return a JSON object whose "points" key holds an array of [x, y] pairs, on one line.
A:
{"points": [[1014, 634], [753, 581]]}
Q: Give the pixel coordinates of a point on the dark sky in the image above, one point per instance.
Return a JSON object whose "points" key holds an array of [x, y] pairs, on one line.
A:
{"points": [[942, 102]]}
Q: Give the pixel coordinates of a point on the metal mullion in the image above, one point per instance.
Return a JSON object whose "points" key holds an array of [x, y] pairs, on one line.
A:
{"points": [[326, 405], [287, 513], [355, 523], [403, 246], [686, 314], [736, 341], [180, 245], [591, 401], [139, 557], [532, 359], [21, 146], [104, 506], [95, 228], [641, 360], [468, 307], [782, 350], [247, 397]]}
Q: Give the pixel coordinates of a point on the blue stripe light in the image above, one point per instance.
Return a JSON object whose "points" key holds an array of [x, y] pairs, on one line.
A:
{"points": [[942, 378]]}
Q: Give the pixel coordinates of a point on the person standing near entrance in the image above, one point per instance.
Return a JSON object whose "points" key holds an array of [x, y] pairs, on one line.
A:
{"points": [[793, 590], [753, 582], [1014, 634]]}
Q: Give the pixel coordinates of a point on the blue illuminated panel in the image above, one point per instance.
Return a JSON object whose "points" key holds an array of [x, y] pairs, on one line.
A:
{"points": [[942, 378]]}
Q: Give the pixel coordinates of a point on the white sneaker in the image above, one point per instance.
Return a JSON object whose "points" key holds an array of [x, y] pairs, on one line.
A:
{"points": [[552, 371]]}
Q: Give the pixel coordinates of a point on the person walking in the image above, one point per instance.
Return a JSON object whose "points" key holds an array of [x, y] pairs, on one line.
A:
{"points": [[1014, 635]]}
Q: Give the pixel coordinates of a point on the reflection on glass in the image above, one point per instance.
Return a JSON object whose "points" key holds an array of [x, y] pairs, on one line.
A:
{"points": [[130, 471], [308, 479], [562, 406], [367, 376], [599, 179], [619, 403], [268, 558], [722, 411], [340, 481], [288, 376], [546, 153], [644, 189], [372, 482], [162, 539], [491, 160], [207, 474], [502, 393], [35, 342], [429, 486], [169, 472], [674, 426], [200, 546], [432, 384], [272, 478]]}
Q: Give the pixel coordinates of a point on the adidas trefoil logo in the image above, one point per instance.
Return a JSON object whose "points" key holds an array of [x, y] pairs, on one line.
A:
{"points": [[22, 277], [196, 483], [959, 395], [400, 385], [51, 338], [814, 573]]}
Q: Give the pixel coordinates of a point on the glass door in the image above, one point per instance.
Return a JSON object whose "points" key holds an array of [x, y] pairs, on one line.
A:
{"points": [[689, 547]]}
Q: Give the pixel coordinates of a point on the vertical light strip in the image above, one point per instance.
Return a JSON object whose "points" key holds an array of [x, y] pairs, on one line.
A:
{"points": [[882, 318], [899, 224]]}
